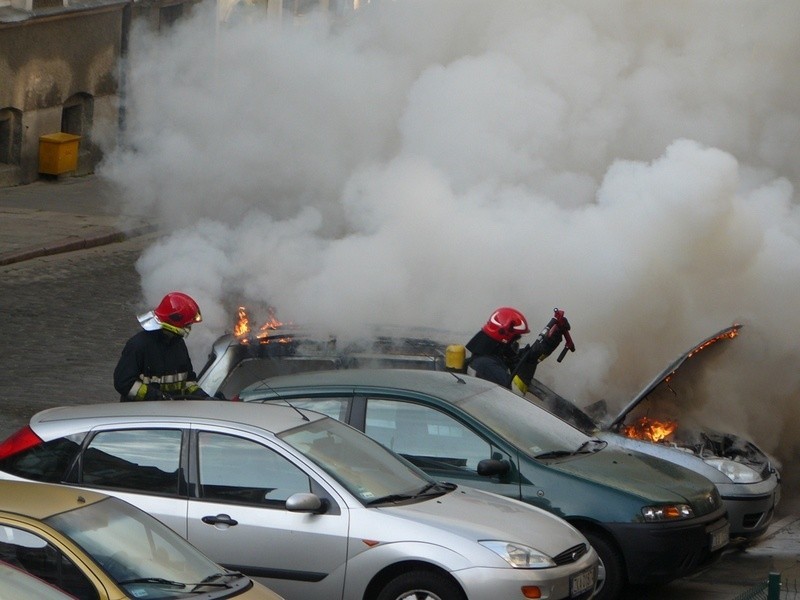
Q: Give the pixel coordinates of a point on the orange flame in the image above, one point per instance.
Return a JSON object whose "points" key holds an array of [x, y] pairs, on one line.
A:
{"points": [[729, 334], [244, 331], [650, 429], [242, 327]]}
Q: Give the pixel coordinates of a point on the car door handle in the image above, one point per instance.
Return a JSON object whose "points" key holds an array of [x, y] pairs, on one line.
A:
{"points": [[219, 520]]}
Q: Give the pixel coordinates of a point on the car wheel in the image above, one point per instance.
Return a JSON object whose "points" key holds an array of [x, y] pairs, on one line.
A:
{"points": [[421, 585], [611, 574]]}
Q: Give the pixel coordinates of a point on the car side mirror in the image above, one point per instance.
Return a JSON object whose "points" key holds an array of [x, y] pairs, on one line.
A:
{"points": [[306, 502], [490, 467]]}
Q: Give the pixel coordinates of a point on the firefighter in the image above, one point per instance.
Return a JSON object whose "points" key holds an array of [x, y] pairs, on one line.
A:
{"points": [[495, 354], [155, 363]]}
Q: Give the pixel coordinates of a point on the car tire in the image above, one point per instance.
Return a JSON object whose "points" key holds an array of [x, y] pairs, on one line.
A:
{"points": [[421, 585], [611, 578]]}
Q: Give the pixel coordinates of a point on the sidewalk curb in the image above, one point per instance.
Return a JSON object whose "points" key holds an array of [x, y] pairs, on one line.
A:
{"points": [[74, 242]]}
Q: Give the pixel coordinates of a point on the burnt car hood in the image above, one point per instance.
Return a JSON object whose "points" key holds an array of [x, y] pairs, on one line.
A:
{"points": [[694, 353], [700, 441], [596, 417]]}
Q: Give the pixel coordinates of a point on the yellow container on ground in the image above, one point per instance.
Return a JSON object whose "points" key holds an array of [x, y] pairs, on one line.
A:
{"points": [[58, 153]]}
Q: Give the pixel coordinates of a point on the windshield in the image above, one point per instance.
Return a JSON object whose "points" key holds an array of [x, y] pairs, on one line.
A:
{"points": [[368, 470], [141, 554], [529, 427]]}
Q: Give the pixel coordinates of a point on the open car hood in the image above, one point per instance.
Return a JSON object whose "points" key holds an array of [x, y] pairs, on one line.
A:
{"points": [[693, 353], [650, 424], [595, 416]]}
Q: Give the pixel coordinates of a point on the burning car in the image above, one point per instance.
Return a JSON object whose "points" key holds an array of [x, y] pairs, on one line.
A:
{"points": [[254, 353], [656, 422]]}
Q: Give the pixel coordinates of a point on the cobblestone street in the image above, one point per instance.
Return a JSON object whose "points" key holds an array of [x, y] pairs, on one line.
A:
{"points": [[65, 318]]}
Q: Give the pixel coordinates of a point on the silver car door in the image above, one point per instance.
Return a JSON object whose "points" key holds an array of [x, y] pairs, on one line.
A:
{"points": [[239, 518]]}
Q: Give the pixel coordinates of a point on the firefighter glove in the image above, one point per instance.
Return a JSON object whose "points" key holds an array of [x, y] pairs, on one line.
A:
{"points": [[155, 393]]}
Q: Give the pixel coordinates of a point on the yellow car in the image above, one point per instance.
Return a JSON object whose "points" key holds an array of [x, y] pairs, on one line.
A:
{"points": [[95, 547]]}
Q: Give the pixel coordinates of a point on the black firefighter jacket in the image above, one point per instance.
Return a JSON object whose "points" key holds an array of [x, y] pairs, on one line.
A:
{"points": [[153, 366]]}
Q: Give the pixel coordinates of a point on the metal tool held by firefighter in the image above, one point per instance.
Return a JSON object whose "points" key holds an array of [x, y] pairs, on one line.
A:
{"points": [[546, 342], [560, 322], [543, 346]]}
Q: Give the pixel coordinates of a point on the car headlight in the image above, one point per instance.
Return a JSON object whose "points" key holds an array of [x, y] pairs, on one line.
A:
{"points": [[667, 512], [519, 556], [736, 472]]}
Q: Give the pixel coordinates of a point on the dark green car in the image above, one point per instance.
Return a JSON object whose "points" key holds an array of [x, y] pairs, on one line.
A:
{"points": [[651, 521]]}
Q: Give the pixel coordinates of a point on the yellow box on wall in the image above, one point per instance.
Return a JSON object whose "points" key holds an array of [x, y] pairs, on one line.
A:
{"points": [[58, 153]]}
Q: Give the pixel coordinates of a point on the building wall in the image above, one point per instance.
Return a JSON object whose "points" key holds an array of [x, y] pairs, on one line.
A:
{"points": [[47, 60], [61, 69]]}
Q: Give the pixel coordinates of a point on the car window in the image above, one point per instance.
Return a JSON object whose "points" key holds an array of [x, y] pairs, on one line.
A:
{"points": [[136, 459], [16, 583], [234, 469], [251, 371], [47, 461], [524, 424], [32, 553], [427, 437], [359, 463], [136, 550], [335, 408]]}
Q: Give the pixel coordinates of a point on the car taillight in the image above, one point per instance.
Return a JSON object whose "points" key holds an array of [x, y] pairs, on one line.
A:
{"points": [[21, 440]]}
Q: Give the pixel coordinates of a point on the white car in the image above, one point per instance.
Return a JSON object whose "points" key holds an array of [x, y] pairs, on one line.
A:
{"points": [[308, 505]]}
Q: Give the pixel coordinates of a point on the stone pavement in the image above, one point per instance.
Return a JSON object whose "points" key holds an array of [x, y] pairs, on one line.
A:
{"points": [[61, 215], [742, 568]]}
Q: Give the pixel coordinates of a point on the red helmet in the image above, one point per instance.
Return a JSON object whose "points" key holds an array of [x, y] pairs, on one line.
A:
{"points": [[178, 310], [506, 325]]}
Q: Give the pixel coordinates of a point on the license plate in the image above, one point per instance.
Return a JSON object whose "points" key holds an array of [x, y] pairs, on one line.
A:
{"points": [[720, 538], [579, 583]]}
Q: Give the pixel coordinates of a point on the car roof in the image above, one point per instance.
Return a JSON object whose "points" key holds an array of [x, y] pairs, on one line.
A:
{"points": [[452, 387], [275, 420], [42, 500]]}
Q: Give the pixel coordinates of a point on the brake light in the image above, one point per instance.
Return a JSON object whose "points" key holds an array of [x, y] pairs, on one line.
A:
{"points": [[18, 442]]}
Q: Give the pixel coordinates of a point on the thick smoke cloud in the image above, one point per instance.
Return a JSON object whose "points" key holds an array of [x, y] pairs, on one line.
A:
{"points": [[635, 164]]}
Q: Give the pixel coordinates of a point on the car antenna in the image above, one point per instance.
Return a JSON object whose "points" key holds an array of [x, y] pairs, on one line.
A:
{"points": [[297, 410], [458, 379]]}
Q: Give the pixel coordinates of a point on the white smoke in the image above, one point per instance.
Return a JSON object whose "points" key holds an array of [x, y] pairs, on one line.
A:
{"points": [[422, 163]]}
